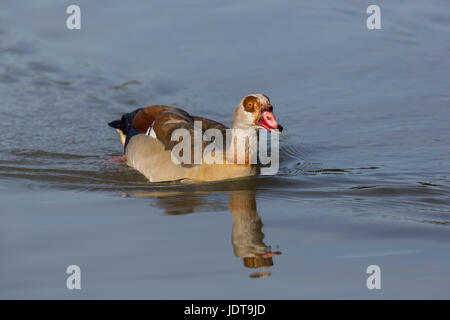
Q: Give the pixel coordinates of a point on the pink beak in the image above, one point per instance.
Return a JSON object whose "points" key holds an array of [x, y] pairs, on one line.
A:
{"points": [[269, 122]]}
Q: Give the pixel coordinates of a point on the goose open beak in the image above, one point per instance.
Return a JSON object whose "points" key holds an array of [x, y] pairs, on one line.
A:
{"points": [[269, 122]]}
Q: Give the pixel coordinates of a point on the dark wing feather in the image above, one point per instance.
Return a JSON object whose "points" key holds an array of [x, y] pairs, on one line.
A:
{"points": [[125, 123]]}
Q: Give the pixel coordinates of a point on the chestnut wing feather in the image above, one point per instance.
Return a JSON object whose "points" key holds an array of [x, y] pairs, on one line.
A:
{"points": [[145, 117]]}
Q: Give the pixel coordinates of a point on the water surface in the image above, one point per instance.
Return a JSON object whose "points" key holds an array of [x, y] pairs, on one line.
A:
{"points": [[364, 172]]}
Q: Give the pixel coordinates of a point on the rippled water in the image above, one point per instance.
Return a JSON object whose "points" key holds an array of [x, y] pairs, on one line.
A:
{"points": [[364, 173]]}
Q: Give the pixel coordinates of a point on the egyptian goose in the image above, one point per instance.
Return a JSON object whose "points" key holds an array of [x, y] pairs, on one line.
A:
{"points": [[147, 137]]}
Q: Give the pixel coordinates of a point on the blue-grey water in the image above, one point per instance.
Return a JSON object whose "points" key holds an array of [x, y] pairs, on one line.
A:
{"points": [[365, 155]]}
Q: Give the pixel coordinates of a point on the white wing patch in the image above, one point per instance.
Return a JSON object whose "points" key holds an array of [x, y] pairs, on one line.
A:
{"points": [[150, 132]]}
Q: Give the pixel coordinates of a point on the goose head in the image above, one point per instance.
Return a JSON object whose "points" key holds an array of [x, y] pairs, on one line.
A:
{"points": [[255, 111]]}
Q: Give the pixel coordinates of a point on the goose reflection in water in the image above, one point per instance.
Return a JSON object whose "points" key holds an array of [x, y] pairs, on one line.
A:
{"points": [[246, 233]]}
